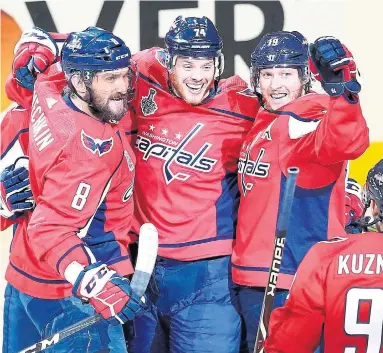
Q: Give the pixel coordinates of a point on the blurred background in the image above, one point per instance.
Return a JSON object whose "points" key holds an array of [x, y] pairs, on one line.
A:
{"points": [[143, 24]]}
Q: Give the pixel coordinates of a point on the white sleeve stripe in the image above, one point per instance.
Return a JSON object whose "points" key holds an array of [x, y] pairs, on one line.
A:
{"points": [[340, 61], [299, 128], [16, 57], [91, 255]]}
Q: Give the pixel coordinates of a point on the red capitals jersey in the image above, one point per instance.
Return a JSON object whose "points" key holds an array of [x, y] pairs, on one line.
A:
{"points": [[14, 129], [316, 133], [82, 175], [187, 161], [338, 284]]}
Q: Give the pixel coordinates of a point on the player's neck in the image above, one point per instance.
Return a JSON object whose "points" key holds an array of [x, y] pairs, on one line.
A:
{"points": [[83, 106]]}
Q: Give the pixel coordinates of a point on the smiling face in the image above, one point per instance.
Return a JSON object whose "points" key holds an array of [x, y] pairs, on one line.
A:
{"points": [[192, 78], [279, 86]]}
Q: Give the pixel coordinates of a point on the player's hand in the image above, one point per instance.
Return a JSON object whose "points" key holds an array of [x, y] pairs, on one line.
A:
{"points": [[108, 292], [333, 65], [35, 51], [15, 191]]}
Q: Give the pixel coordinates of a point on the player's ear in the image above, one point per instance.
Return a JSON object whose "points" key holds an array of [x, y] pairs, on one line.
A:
{"points": [[78, 84]]}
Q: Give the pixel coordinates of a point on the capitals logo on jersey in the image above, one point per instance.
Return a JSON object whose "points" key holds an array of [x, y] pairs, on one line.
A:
{"points": [[257, 167], [176, 155], [96, 145]]}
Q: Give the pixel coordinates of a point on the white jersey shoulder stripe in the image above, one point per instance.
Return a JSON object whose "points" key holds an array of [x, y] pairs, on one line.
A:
{"points": [[299, 128]]}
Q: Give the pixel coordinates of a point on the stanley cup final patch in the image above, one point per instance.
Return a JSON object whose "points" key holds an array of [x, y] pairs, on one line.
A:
{"points": [[148, 105]]}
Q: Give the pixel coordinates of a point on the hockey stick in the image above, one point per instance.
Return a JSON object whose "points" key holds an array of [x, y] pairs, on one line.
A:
{"points": [[280, 237], [147, 254]]}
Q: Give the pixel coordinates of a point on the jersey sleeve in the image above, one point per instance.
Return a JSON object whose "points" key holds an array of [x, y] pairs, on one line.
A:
{"points": [[341, 134], [297, 326], [14, 129], [13, 144], [5, 223], [17, 93], [71, 193]]}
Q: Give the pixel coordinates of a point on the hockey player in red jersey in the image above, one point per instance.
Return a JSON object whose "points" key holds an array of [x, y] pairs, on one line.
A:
{"points": [[190, 128], [338, 285], [295, 127], [81, 174]]}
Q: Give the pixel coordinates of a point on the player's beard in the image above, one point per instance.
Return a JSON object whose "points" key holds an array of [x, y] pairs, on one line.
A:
{"points": [[183, 92], [110, 110]]}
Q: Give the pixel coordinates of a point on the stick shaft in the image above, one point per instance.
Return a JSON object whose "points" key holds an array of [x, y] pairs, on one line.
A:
{"points": [[280, 238]]}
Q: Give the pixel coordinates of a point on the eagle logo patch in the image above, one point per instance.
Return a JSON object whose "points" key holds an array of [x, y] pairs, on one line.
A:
{"points": [[96, 145], [161, 57]]}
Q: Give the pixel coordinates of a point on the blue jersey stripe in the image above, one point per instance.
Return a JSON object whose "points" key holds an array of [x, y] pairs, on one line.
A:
{"points": [[69, 251], [40, 280], [133, 132], [307, 225], [227, 205], [118, 259], [196, 242], [102, 244], [146, 78], [237, 115], [259, 269], [295, 116]]}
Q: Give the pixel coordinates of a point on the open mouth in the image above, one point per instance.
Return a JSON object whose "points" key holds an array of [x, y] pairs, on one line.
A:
{"points": [[116, 103], [194, 88], [277, 96]]}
